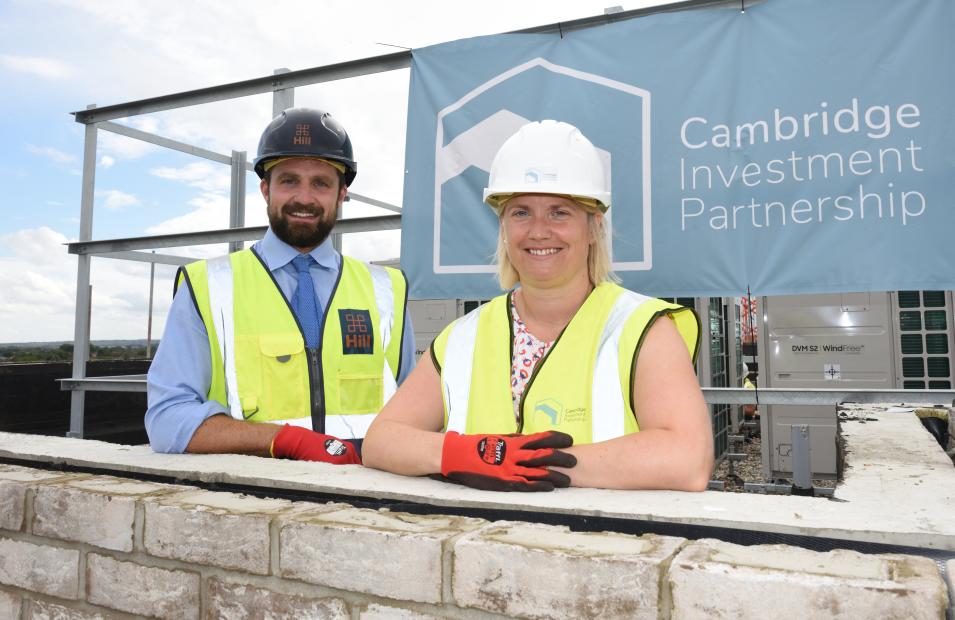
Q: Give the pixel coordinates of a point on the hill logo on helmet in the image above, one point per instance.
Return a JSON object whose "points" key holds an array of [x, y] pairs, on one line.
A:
{"points": [[303, 135]]}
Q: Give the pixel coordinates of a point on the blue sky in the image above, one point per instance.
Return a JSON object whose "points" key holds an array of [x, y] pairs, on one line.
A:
{"points": [[57, 56]]}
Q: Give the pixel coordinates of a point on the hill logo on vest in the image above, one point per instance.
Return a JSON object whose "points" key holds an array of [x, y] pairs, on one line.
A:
{"points": [[358, 337]]}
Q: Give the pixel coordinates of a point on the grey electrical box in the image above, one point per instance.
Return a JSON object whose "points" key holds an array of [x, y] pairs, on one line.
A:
{"points": [[429, 317], [839, 340]]}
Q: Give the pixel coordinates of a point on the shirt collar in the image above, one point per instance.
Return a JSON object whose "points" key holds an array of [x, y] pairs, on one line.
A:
{"points": [[276, 253]]}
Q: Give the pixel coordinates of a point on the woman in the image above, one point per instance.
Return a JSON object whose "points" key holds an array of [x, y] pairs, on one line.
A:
{"points": [[597, 380]]}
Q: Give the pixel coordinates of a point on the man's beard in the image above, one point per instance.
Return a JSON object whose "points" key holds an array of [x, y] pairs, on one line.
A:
{"points": [[299, 235]]}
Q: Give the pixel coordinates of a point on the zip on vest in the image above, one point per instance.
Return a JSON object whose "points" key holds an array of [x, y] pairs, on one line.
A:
{"points": [[318, 395], [220, 281], [316, 376], [316, 380]]}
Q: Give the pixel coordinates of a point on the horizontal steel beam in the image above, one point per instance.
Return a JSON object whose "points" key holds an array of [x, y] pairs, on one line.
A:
{"points": [[104, 246], [789, 396], [255, 86], [123, 383], [175, 145], [375, 203], [730, 396], [182, 147], [150, 257]]}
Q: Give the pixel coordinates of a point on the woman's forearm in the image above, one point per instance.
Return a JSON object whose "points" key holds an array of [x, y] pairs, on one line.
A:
{"points": [[402, 449], [651, 459]]}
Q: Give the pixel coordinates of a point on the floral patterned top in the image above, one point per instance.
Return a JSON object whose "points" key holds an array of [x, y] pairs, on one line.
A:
{"points": [[528, 351]]}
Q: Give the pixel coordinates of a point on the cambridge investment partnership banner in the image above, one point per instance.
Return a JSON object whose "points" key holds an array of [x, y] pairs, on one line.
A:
{"points": [[800, 146]]}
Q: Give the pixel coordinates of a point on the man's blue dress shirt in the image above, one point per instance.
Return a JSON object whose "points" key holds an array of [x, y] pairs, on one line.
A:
{"points": [[181, 373]]}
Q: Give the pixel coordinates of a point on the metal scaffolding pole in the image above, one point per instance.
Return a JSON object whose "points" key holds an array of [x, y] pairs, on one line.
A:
{"points": [[283, 98], [237, 196], [149, 315], [81, 330], [116, 246]]}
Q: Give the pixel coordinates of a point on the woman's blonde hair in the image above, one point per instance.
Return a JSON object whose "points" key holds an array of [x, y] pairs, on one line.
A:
{"points": [[599, 264]]}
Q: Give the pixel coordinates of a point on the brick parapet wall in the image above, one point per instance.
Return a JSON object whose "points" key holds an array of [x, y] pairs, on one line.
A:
{"points": [[86, 546]]}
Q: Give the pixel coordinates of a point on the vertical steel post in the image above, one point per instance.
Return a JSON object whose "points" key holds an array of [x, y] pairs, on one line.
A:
{"points": [[237, 196], [801, 459], [149, 317], [282, 98], [337, 237], [81, 329]]}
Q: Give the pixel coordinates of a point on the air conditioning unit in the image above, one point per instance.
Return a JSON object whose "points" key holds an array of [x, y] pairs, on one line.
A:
{"points": [[840, 340]]}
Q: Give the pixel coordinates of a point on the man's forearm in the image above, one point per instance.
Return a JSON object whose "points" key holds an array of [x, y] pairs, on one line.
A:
{"points": [[222, 434]]}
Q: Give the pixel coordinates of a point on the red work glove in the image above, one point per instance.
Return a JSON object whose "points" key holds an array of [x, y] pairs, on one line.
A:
{"points": [[301, 444], [507, 462]]}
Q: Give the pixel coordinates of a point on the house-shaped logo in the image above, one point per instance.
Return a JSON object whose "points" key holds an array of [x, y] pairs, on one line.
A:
{"points": [[614, 115]]}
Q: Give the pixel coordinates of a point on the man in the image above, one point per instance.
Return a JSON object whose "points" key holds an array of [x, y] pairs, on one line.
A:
{"points": [[289, 331]]}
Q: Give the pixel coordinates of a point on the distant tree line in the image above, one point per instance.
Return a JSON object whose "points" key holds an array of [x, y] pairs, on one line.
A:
{"points": [[64, 353]]}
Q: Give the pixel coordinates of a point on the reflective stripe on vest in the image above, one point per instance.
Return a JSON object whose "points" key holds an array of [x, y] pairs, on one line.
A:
{"points": [[385, 300], [605, 332], [219, 273], [606, 393], [457, 370], [270, 378]]}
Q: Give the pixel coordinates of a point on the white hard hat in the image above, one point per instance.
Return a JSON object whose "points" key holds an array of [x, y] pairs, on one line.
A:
{"points": [[549, 157]]}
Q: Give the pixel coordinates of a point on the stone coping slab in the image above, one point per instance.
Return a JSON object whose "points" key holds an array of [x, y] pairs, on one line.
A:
{"points": [[899, 486]]}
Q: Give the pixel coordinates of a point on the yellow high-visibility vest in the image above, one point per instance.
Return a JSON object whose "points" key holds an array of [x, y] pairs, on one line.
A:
{"points": [[583, 385], [261, 368]]}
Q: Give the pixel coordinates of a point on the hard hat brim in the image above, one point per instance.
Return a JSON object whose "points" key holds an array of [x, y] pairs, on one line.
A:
{"points": [[497, 199]]}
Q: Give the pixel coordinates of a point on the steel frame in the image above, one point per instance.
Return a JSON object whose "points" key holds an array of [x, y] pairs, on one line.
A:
{"points": [[282, 84]]}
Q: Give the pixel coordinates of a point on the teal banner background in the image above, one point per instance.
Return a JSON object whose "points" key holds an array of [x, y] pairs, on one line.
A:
{"points": [[800, 146]]}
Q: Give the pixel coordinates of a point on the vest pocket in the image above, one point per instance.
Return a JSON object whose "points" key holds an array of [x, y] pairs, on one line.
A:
{"points": [[284, 377], [360, 393]]}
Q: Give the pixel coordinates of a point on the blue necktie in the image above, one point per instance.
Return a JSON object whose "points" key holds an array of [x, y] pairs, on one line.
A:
{"points": [[304, 305]]}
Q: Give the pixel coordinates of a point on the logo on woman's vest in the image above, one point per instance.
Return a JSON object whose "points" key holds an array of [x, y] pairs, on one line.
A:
{"points": [[358, 337], [551, 409]]}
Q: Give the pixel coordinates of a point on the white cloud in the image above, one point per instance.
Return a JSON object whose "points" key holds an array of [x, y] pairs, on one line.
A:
{"points": [[38, 277], [41, 245], [115, 199], [39, 67], [210, 212], [379, 245], [106, 161], [118, 146], [51, 153], [206, 176]]}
